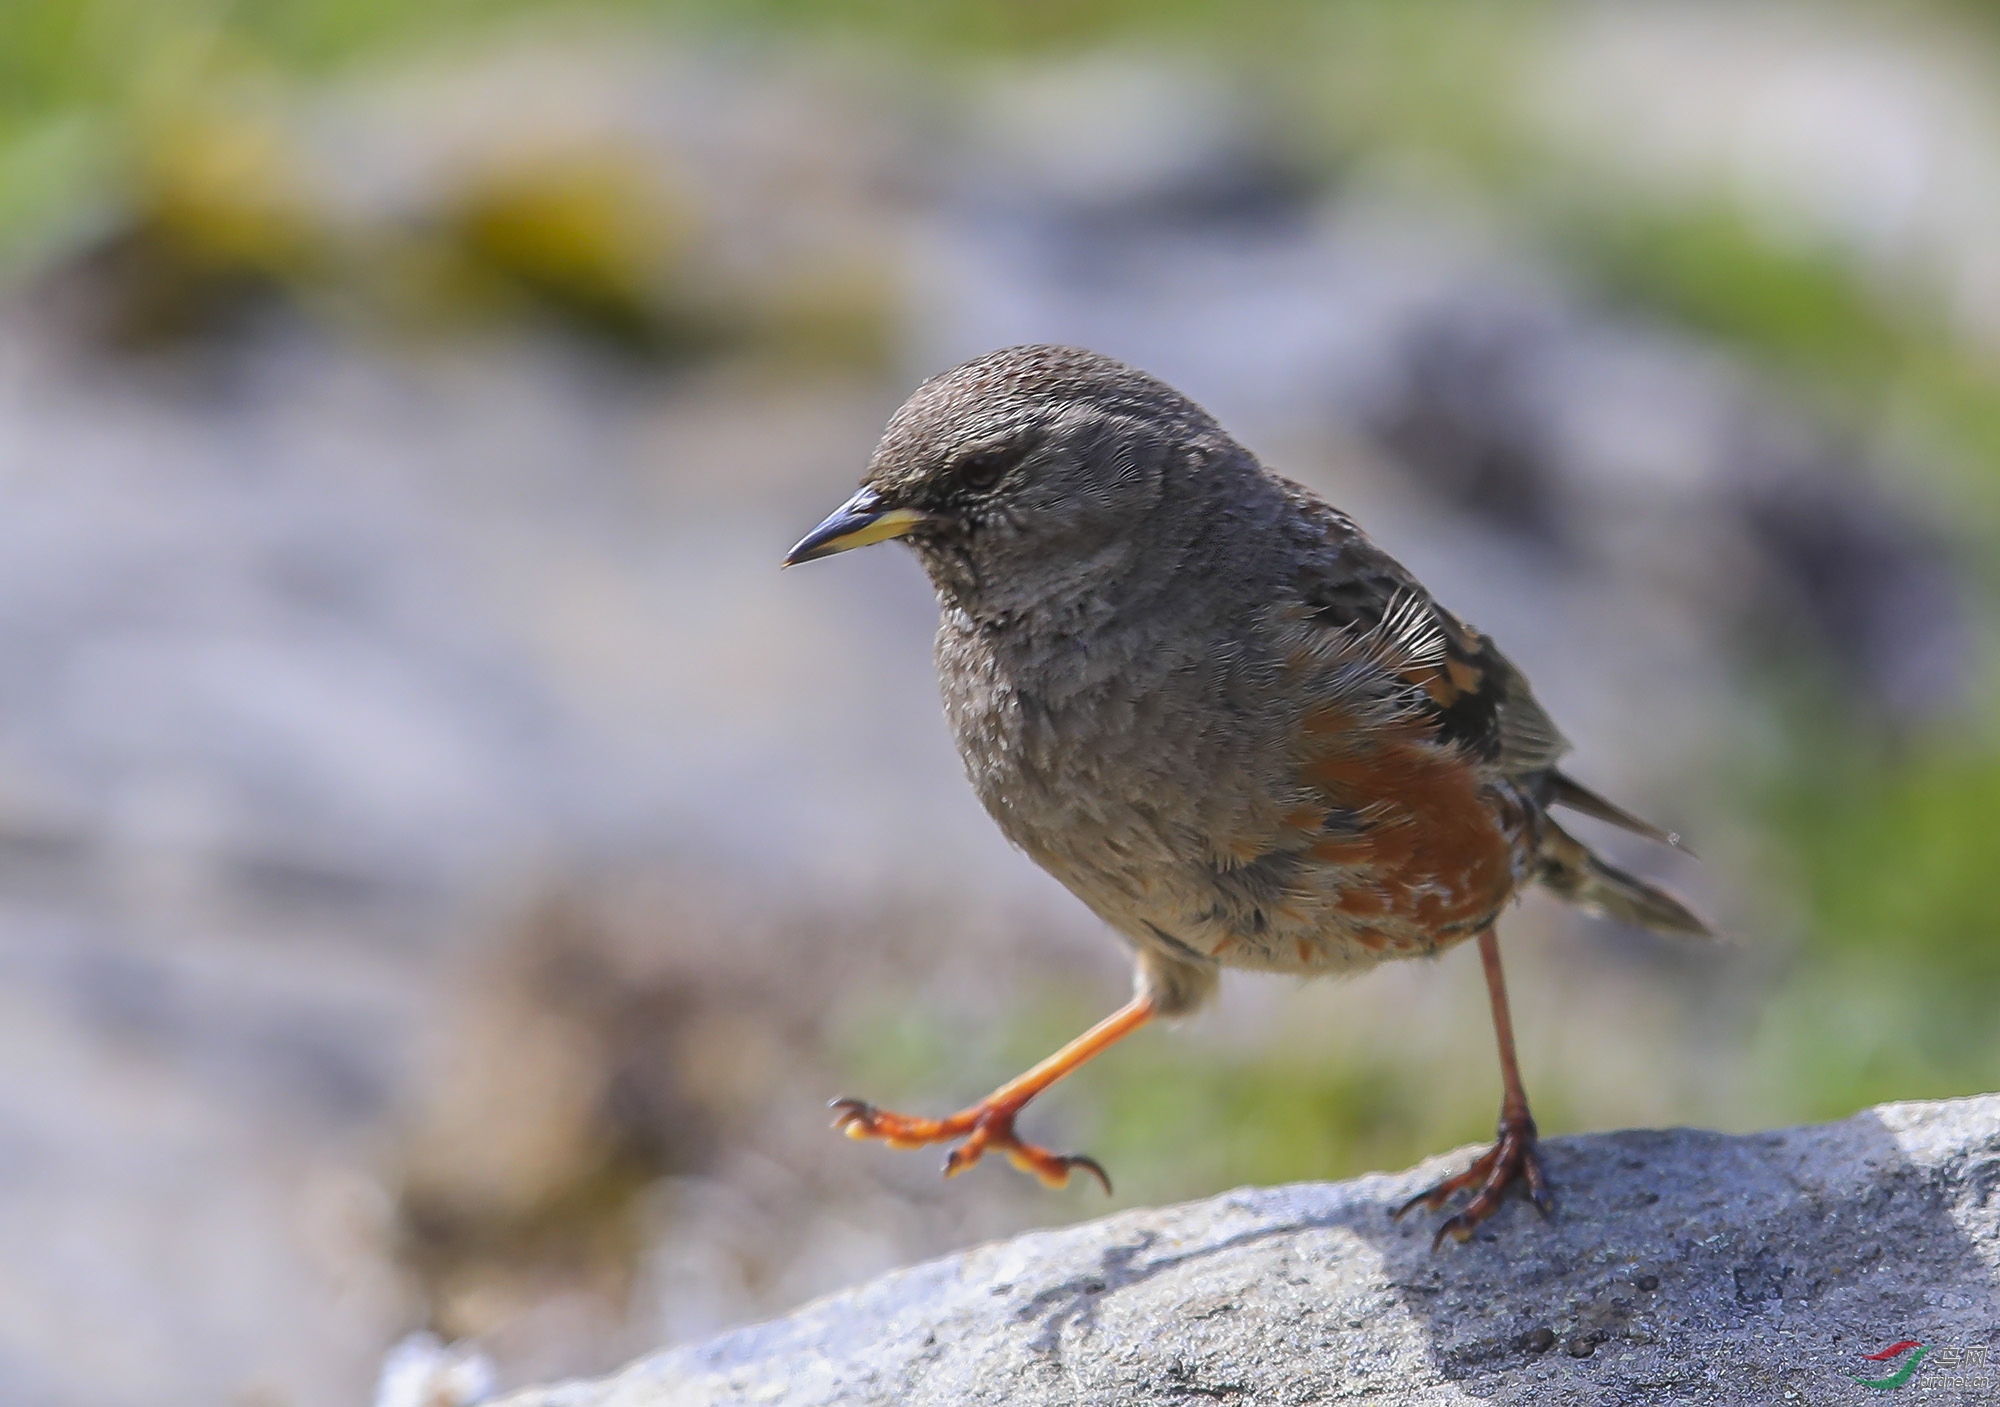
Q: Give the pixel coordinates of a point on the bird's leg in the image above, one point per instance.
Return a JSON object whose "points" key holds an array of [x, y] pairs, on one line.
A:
{"points": [[1512, 1157], [990, 1122]]}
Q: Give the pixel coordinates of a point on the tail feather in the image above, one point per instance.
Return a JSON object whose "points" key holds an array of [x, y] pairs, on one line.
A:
{"points": [[1569, 868], [1567, 791]]}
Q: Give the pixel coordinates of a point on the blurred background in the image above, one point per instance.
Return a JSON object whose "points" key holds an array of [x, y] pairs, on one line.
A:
{"points": [[445, 869]]}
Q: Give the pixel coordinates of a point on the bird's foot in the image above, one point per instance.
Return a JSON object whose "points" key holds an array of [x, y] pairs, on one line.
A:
{"points": [[1512, 1158], [986, 1125]]}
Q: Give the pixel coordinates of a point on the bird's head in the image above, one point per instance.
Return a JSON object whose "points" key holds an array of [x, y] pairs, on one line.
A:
{"points": [[1025, 474]]}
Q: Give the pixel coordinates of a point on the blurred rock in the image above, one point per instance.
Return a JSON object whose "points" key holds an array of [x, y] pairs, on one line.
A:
{"points": [[1680, 1265], [422, 1371], [221, 217], [648, 201], [622, 1127], [1463, 423], [1487, 406], [1883, 593]]}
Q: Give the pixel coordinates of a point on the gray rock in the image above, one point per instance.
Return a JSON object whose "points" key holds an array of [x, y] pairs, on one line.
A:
{"points": [[1681, 1266]]}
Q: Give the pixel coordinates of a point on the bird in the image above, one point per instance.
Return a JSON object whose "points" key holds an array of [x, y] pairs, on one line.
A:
{"points": [[1231, 725]]}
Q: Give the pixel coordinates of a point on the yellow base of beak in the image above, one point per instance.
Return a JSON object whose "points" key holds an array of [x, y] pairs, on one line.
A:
{"points": [[856, 523]]}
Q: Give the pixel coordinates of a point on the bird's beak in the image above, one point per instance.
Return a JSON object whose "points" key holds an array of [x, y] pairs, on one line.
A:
{"points": [[856, 523]]}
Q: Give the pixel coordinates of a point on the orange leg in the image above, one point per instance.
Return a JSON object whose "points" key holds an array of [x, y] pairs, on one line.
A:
{"points": [[990, 1122], [1512, 1157]]}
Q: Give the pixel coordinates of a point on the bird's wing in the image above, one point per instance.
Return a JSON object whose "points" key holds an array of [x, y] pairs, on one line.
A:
{"points": [[1370, 611]]}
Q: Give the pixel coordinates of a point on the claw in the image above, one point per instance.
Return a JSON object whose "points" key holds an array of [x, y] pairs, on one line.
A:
{"points": [[1091, 1166], [1539, 1191], [974, 1147], [852, 1117], [990, 1122], [982, 1127], [1512, 1158]]}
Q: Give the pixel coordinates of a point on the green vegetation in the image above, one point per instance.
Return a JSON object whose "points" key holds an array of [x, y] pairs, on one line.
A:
{"points": [[1179, 1122], [1896, 857]]}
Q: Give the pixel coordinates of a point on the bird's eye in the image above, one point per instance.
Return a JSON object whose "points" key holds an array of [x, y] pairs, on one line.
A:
{"points": [[983, 468]]}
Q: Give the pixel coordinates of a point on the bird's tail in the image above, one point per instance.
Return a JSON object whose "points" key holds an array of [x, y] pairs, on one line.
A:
{"points": [[1568, 867]]}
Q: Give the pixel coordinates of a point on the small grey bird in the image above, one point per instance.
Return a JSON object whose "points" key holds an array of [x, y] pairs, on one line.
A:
{"points": [[1198, 696]]}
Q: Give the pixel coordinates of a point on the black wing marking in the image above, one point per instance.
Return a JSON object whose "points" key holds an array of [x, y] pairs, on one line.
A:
{"points": [[1470, 691]]}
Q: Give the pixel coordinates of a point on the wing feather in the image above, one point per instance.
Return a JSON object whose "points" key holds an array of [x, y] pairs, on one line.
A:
{"points": [[1373, 615]]}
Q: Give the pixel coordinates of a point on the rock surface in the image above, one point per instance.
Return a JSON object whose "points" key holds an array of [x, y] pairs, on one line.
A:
{"points": [[1681, 1266]]}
